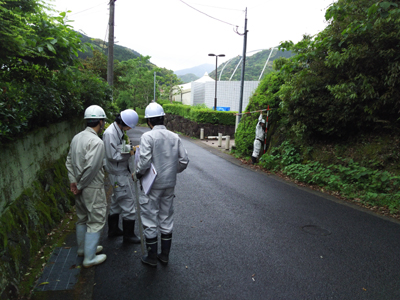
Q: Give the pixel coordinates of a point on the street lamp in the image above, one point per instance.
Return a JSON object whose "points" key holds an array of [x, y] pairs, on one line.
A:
{"points": [[216, 76]]}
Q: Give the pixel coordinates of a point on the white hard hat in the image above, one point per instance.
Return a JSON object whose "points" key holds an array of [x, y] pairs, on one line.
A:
{"points": [[154, 110], [94, 112], [130, 117], [262, 121]]}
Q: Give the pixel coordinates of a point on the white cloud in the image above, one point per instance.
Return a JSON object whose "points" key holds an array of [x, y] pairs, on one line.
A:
{"points": [[178, 37]]}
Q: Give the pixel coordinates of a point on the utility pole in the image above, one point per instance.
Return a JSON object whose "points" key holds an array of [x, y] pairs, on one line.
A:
{"points": [[243, 68], [110, 63]]}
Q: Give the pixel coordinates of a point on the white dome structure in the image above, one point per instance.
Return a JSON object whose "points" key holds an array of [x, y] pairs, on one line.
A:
{"points": [[205, 78]]}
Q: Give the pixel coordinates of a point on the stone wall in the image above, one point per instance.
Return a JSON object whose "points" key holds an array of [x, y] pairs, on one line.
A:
{"points": [[192, 129], [21, 160], [35, 197]]}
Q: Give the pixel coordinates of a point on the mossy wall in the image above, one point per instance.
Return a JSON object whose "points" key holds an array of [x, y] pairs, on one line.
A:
{"points": [[35, 198], [21, 160]]}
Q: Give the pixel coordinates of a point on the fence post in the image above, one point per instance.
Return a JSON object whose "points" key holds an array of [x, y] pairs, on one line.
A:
{"points": [[219, 139], [227, 142]]}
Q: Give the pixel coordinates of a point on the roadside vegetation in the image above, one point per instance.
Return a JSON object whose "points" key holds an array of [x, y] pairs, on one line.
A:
{"points": [[43, 81], [334, 122]]}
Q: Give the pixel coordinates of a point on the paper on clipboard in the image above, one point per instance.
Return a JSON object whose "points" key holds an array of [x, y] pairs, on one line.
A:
{"points": [[148, 178]]}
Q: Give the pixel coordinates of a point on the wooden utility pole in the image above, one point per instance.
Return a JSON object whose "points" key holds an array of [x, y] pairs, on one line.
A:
{"points": [[110, 65], [243, 67]]}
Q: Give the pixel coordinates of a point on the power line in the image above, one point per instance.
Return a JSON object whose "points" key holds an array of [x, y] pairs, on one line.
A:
{"points": [[226, 8], [88, 9], [208, 15]]}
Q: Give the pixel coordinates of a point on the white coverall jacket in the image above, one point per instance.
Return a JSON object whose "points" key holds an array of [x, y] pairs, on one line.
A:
{"points": [[164, 149], [85, 167], [117, 167], [259, 140]]}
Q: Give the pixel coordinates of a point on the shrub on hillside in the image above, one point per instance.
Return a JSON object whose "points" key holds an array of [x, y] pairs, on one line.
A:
{"points": [[346, 80], [53, 97], [266, 94]]}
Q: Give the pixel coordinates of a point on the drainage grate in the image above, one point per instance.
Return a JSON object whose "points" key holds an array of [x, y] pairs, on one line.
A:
{"points": [[61, 271], [316, 230]]}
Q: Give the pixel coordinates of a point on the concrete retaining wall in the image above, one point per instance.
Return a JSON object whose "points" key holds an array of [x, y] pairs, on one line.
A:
{"points": [[21, 160], [190, 128]]}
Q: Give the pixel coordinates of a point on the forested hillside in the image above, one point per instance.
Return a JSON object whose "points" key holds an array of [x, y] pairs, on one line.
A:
{"points": [[188, 78], [254, 65], [197, 70], [334, 121], [120, 53]]}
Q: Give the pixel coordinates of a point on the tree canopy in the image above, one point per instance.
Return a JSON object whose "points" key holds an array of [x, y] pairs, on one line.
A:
{"points": [[38, 79], [137, 82], [29, 35], [347, 79]]}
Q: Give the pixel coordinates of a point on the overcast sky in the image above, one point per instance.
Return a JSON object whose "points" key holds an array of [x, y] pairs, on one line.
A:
{"points": [[177, 36]]}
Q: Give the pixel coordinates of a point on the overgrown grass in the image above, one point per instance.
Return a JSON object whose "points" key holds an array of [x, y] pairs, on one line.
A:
{"points": [[348, 178]]}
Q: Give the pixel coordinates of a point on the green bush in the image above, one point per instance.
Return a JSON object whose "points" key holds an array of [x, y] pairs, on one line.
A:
{"points": [[177, 109], [245, 135], [52, 97], [140, 111], [346, 80], [266, 94], [200, 114]]}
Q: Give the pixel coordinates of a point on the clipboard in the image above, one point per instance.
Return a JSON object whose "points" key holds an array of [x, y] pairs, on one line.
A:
{"points": [[148, 178]]}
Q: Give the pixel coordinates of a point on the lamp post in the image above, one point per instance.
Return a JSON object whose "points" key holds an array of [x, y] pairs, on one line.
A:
{"points": [[216, 76]]}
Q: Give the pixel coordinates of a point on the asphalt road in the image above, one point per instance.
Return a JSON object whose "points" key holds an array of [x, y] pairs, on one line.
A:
{"points": [[243, 234]]}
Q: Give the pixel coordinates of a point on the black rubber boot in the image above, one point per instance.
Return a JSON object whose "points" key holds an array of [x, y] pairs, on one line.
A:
{"points": [[129, 232], [253, 160], [151, 257], [113, 229], [166, 240]]}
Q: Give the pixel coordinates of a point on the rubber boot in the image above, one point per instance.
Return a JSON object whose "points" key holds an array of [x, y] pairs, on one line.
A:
{"points": [[113, 229], [253, 160], [166, 240], [91, 259], [151, 257], [80, 238], [129, 232]]}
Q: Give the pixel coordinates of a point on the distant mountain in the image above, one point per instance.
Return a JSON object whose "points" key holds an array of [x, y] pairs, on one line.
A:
{"points": [[253, 68], [198, 71], [188, 77], [120, 53]]}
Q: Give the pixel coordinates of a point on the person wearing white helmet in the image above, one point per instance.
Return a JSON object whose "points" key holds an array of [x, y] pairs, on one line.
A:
{"points": [[165, 151], [259, 140], [117, 166], [86, 175]]}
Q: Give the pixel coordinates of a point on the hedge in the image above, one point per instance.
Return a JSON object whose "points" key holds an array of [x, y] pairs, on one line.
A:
{"points": [[200, 114]]}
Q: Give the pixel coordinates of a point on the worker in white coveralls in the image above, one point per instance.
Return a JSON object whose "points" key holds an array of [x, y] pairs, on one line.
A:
{"points": [[259, 140], [117, 166], [165, 151], [86, 175]]}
